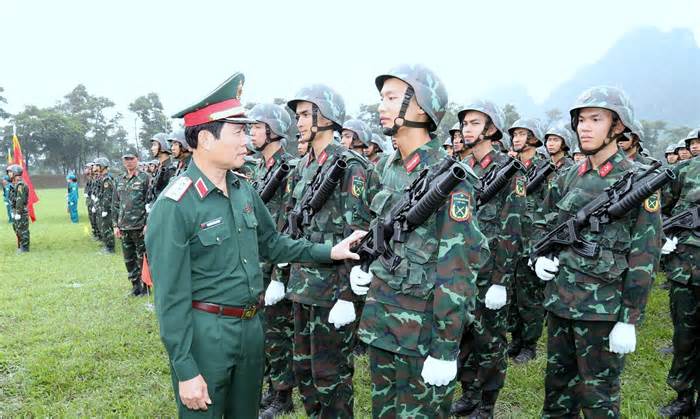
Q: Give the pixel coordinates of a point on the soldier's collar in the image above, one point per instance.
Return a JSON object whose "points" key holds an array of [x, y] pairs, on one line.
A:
{"points": [[606, 167], [327, 152], [202, 185], [414, 160]]}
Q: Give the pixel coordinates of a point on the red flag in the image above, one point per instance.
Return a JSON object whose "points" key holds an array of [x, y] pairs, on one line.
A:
{"points": [[146, 272], [19, 159]]}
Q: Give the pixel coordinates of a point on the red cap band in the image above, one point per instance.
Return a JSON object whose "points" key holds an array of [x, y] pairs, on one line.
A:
{"points": [[202, 116]]}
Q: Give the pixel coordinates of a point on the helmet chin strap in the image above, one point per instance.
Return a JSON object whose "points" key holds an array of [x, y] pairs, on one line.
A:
{"points": [[268, 139], [608, 139], [482, 136], [314, 124], [401, 121]]}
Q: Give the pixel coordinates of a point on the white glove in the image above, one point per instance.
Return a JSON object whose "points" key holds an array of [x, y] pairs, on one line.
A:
{"points": [[282, 265], [104, 214], [495, 297], [669, 246], [342, 313], [359, 280], [148, 208], [437, 372], [623, 338], [94, 210], [85, 195], [17, 217], [546, 268], [274, 293], [94, 198]]}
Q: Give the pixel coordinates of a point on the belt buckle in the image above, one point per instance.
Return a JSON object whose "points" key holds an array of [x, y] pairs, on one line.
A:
{"points": [[249, 312]]}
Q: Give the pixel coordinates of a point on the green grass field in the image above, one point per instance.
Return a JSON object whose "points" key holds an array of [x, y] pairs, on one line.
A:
{"points": [[73, 344]]}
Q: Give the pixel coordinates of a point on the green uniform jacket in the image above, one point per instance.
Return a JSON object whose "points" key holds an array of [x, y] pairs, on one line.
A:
{"points": [[129, 206], [684, 193], [105, 195], [20, 198], [424, 306], [615, 285], [204, 246], [323, 284], [266, 169]]}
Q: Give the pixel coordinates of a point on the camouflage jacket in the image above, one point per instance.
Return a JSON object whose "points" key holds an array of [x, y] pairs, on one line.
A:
{"points": [[532, 230], [265, 169], [615, 285], [323, 284], [641, 158], [129, 203], [501, 221], [104, 193], [422, 308], [161, 178], [684, 193], [250, 167], [19, 197]]}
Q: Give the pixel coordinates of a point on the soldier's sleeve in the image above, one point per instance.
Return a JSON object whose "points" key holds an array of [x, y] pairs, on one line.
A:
{"points": [[510, 239], [276, 247], [167, 246], [356, 210], [461, 248], [644, 255], [22, 197]]}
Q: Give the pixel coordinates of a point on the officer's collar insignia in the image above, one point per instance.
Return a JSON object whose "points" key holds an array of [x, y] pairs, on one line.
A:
{"points": [[527, 163], [471, 161], [177, 189], [322, 158], [605, 169], [460, 208], [484, 163], [201, 187], [270, 162], [583, 167], [651, 204], [412, 163]]}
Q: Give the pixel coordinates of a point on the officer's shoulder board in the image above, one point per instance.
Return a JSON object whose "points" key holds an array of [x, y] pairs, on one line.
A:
{"points": [[177, 188]]}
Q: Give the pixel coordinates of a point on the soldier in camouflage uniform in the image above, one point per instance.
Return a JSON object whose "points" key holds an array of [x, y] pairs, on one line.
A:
{"points": [[91, 198], [6, 190], [164, 171], [558, 139], [129, 218], [483, 358], [19, 199], [375, 149], [683, 271], [594, 304], [414, 317], [268, 135], [526, 315], [103, 205], [631, 144], [181, 152], [324, 314], [670, 154], [683, 151]]}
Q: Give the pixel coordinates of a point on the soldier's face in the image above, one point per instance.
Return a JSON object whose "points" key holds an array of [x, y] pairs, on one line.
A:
{"points": [[391, 98], [671, 158], [346, 138], [520, 139], [175, 149], [155, 148], [683, 154], [594, 127], [130, 163], [554, 143], [695, 147], [302, 148], [579, 156], [258, 134], [370, 150], [624, 143], [449, 150], [457, 143], [473, 124], [304, 115]]}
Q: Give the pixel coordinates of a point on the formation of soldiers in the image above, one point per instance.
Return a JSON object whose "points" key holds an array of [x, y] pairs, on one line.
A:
{"points": [[442, 259]]}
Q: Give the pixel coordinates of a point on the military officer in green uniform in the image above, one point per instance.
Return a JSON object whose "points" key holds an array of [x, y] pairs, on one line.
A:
{"points": [[205, 238], [324, 313], [594, 304], [267, 134], [103, 206], [682, 266], [129, 218], [19, 198], [413, 318], [482, 358]]}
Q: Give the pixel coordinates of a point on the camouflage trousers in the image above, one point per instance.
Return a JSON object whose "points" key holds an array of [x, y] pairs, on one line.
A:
{"points": [[582, 374], [106, 230], [279, 336], [685, 312], [482, 351], [21, 228], [93, 222], [133, 248], [323, 362], [526, 312], [398, 389]]}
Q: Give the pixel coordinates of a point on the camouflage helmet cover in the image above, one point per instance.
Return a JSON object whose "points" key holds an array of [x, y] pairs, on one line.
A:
{"points": [[681, 144], [429, 90], [606, 97], [329, 102], [670, 149], [360, 128], [692, 135], [162, 139], [178, 136], [275, 116], [455, 128], [490, 109], [102, 162], [531, 124], [561, 129]]}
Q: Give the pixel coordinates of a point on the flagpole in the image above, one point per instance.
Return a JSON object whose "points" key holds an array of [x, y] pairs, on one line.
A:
{"points": [[14, 130]]}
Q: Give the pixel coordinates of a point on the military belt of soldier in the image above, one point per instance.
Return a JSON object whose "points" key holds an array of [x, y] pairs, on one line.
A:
{"points": [[442, 260]]}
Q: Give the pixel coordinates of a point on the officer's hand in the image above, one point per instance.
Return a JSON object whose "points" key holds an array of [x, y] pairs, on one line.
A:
{"points": [[359, 280], [437, 372], [495, 297], [342, 251], [117, 233], [342, 313], [546, 268], [623, 338], [669, 246], [104, 214], [194, 394], [274, 293]]}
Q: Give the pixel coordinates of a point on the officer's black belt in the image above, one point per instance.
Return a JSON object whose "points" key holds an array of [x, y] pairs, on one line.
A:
{"points": [[245, 313]]}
